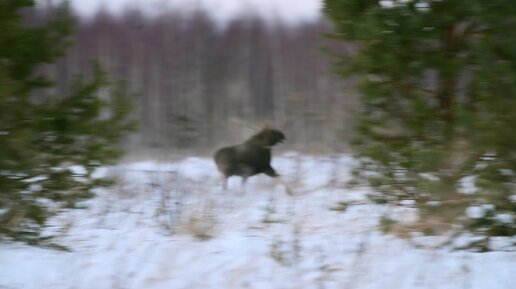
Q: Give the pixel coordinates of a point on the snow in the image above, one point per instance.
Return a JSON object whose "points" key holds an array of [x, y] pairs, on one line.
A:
{"points": [[467, 185], [475, 212], [170, 225], [504, 218]]}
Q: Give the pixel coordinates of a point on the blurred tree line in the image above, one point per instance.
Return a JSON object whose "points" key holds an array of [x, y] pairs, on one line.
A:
{"points": [[50, 143], [438, 92], [203, 85]]}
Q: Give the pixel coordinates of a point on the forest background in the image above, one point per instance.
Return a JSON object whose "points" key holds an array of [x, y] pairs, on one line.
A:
{"points": [[203, 84]]}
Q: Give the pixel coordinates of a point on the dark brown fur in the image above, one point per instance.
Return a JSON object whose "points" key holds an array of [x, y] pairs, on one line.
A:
{"points": [[250, 158]]}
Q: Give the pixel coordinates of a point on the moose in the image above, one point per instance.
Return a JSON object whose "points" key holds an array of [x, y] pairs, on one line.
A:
{"points": [[249, 158]]}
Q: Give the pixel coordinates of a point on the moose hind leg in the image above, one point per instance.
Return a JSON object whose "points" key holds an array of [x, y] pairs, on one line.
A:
{"points": [[244, 184], [270, 172], [224, 182]]}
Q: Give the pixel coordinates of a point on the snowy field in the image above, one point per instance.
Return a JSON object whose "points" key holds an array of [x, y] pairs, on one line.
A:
{"points": [[169, 225]]}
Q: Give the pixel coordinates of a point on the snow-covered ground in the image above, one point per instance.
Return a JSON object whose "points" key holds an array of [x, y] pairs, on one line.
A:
{"points": [[169, 225]]}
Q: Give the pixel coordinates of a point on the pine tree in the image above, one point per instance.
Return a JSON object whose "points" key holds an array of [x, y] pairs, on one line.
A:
{"points": [[438, 87], [50, 144]]}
